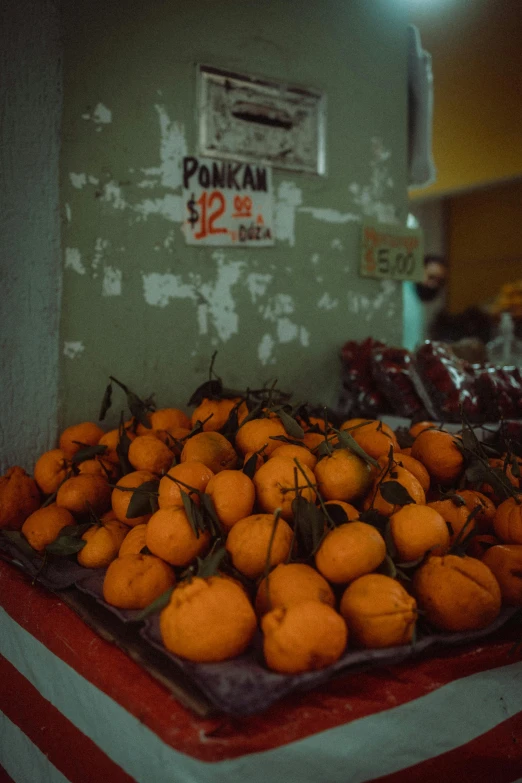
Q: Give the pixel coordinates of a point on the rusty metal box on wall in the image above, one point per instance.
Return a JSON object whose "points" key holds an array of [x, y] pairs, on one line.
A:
{"points": [[248, 118]]}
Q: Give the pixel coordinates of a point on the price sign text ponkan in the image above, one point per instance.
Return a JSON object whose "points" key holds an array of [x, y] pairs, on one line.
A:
{"points": [[227, 203], [391, 252]]}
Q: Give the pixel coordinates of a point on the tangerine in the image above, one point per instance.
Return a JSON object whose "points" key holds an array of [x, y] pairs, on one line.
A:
{"points": [[103, 543], [258, 433], [76, 436], [212, 449], [185, 477], [170, 536], [457, 593], [135, 581], [505, 562], [507, 522], [301, 453], [233, 495], [84, 493], [122, 495], [303, 637], [342, 476], [275, 484], [439, 454], [349, 551], [248, 543], [374, 437], [208, 620], [147, 452], [416, 530], [19, 497], [134, 541], [50, 470], [289, 584], [43, 526], [378, 611], [456, 515]]}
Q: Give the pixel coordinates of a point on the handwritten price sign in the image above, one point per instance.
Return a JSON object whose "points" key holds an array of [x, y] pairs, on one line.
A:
{"points": [[227, 203], [391, 252]]}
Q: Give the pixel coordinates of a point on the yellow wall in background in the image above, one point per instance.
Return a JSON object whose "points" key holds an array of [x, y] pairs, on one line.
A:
{"points": [[484, 244], [476, 50]]}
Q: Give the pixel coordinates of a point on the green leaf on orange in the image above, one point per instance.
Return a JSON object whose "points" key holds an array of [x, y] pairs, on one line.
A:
{"points": [[140, 502], [347, 441], [156, 606], [393, 492], [65, 545]]}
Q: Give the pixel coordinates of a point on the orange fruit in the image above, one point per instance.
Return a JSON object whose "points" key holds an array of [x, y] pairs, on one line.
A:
{"points": [[99, 467], [193, 475], [420, 426], [456, 515], [19, 497], [103, 543], [256, 433], [439, 455], [169, 418], [411, 464], [457, 593], [301, 453], [134, 541], [507, 522], [292, 583], [219, 410], [342, 476], [484, 518], [170, 536], [350, 424], [350, 512], [259, 460], [303, 637], [505, 562], [50, 470], [249, 539], [349, 551], [406, 452], [208, 620], [111, 439], [83, 493], [121, 496], [416, 530], [74, 437], [275, 484], [135, 581], [401, 476], [375, 438], [233, 495], [43, 526], [378, 611], [147, 452], [212, 449], [312, 440]]}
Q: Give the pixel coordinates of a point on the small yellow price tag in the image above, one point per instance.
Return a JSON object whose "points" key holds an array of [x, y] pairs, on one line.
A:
{"points": [[391, 252]]}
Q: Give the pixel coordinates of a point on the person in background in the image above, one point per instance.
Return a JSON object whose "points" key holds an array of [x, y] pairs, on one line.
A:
{"points": [[422, 302]]}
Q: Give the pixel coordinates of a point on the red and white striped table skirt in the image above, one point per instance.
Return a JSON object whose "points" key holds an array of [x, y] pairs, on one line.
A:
{"points": [[75, 708]]}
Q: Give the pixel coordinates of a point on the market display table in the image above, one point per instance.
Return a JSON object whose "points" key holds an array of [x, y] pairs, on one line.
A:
{"points": [[75, 707]]}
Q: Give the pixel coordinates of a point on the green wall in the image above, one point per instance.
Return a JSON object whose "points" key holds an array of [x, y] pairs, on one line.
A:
{"points": [[30, 258], [140, 304]]}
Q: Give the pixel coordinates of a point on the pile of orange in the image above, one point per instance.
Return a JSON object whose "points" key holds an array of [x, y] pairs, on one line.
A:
{"points": [[326, 536]]}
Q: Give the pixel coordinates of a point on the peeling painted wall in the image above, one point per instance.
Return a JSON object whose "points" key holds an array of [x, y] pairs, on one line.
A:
{"points": [[142, 305], [30, 263]]}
